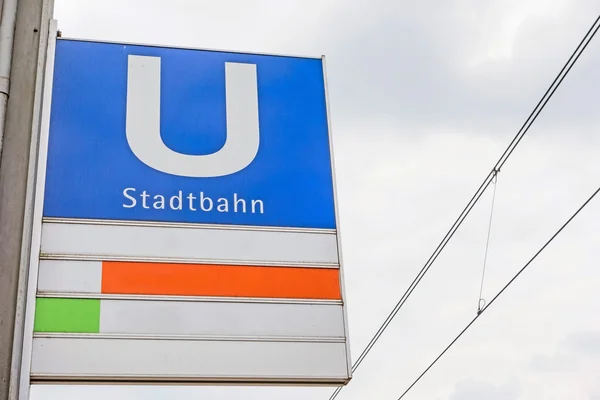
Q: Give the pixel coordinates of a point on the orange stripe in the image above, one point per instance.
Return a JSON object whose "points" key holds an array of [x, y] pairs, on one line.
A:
{"points": [[219, 280]]}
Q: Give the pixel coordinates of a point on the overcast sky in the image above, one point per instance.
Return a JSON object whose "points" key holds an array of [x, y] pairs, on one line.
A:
{"points": [[425, 96]]}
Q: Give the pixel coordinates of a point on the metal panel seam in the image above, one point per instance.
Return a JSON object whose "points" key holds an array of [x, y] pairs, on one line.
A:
{"points": [[189, 225], [207, 338], [206, 299], [100, 257]]}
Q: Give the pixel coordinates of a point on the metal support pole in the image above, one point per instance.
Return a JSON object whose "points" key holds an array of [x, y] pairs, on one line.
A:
{"points": [[7, 35], [21, 131]]}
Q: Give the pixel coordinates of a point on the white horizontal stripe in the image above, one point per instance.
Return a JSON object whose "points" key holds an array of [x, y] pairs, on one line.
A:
{"points": [[188, 360], [87, 257], [208, 299], [216, 338], [173, 242], [184, 225], [70, 276], [226, 319]]}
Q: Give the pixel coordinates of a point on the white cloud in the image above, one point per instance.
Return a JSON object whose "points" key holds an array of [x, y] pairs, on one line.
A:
{"points": [[476, 390], [585, 343], [558, 363], [226, 24]]}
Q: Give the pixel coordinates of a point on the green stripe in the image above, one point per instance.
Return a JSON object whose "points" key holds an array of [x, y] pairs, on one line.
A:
{"points": [[67, 315]]}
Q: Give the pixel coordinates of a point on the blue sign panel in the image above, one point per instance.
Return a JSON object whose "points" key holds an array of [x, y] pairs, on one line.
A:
{"points": [[161, 134]]}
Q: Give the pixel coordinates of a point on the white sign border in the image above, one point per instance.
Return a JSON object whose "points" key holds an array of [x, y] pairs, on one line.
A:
{"points": [[40, 178]]}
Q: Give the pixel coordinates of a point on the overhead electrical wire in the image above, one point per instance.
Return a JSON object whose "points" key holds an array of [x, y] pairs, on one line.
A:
{"points": [[502, 291], [481, 301], [480, 191]]}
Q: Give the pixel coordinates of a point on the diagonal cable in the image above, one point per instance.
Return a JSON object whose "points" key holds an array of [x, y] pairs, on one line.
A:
{"points": [[502, 291], [480, 191]]}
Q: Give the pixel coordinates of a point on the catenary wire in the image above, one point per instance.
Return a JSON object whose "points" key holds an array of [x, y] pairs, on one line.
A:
{"points": [[480, 191], [487, 246], [502, 291]]}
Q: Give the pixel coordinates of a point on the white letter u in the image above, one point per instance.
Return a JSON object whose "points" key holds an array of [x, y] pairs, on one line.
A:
{"points": [[143, 122]]}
